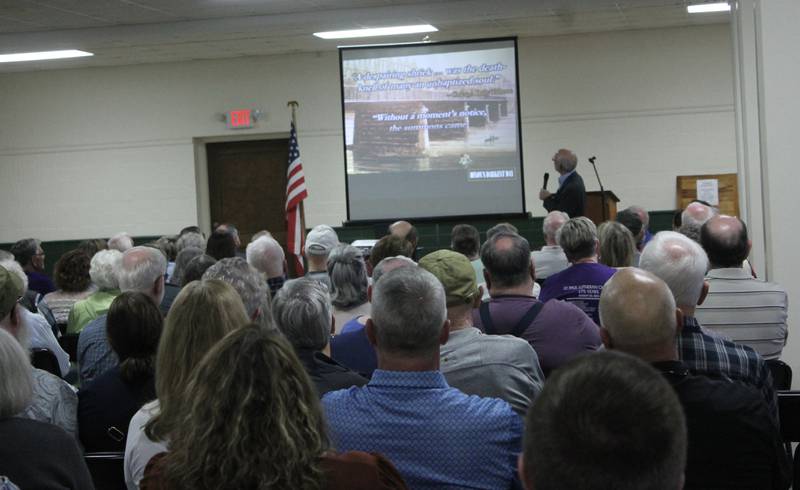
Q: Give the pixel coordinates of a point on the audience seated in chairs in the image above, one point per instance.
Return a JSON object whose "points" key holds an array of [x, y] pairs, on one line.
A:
{"points": [[74, 284], [107, 403], [33, 454], [251, 419], [203, 313], [104, 272], [348, 285]]}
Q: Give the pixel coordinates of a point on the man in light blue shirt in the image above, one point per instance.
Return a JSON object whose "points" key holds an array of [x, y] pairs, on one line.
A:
{"points": [[436, 436]]}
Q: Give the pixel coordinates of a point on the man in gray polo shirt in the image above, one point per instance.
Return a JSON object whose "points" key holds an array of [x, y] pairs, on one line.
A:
{"points": [[499, 366]]}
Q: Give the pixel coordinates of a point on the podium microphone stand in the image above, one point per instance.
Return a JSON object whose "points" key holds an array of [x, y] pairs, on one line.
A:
{"points": [[602, 191]]}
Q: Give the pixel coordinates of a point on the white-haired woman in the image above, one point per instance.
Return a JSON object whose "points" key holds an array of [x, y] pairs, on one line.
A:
{"points": [[104, 270]]}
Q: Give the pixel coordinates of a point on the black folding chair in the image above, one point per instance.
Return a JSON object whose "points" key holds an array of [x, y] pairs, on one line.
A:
{"points": [[781, 374], [69, 342], [45, 360], [789, 411], [107, 470]]}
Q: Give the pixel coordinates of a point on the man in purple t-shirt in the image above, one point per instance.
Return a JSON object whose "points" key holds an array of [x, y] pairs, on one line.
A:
{"points": [[582, 282], [558, 331]]}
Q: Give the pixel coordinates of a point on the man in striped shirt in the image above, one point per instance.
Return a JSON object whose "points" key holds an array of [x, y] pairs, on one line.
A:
{"points": [[682, 264], [740, 307]]}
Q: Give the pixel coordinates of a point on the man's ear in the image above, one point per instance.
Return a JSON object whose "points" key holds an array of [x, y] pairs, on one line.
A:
{"points": [[703, 293], [158, 287], [369, 293], [521, 471], [532, 268], [487, 278], [476, 300], [605, 337], [369, 328], [333, 324], [445, 333], [678, 321], [597, 247]]}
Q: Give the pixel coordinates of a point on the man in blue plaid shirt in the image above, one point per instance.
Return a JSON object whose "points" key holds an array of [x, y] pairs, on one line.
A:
{"points": [[682, 264]]}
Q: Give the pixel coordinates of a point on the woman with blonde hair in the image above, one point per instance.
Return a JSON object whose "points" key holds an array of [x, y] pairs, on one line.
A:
{"points": [[252, 420], [202, 314], [617, 245]]}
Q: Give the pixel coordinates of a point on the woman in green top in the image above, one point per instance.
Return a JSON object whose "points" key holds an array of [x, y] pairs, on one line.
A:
{"points": [[103, 270]]}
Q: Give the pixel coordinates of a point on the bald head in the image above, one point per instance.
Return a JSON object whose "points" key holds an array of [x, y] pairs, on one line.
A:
{"points": [[404, 229], [506, 258], [638, 315], [724, 238], [693, 217], [565, 161], [389, 264], [143, 270]]}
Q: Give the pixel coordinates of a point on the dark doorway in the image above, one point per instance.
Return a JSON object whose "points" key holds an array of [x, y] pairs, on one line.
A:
{"points": [[247, 186]]}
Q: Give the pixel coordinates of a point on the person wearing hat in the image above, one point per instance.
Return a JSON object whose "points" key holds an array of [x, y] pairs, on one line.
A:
{"points": [[319, 243], [54, 401], [498, 366]]}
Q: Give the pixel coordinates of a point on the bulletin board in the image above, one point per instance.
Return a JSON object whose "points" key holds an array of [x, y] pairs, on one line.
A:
{"points": [[725, 187]]}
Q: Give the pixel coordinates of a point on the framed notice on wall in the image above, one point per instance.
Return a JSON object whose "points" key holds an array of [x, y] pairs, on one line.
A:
{"points": [[719, 190]]}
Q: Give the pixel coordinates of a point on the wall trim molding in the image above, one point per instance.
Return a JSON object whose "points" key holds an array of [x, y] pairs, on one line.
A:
{"points": [[655, 112]]}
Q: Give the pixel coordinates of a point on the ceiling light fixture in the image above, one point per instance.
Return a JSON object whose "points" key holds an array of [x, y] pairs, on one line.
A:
{"points": [[708, 7], [43, 55], [376, 31]]}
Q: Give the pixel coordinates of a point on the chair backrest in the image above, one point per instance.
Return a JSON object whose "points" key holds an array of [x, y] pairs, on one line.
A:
{"points": [[781, 374], [45, 360], [69, 342], [107, 470]]}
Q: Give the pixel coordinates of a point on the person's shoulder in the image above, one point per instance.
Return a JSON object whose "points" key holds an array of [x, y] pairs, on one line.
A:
{"points": [[487, 409], [341, 397], [507, 347], [37, 430], [723, 397]]}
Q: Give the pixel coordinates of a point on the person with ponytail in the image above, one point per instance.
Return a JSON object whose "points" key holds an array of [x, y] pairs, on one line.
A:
{"points": [[107, 403]]}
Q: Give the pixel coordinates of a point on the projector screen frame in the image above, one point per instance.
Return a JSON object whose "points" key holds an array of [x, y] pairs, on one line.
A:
{"points": [[524, 211]]}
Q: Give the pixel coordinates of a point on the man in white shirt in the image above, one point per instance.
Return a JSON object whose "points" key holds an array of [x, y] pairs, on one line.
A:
{"points": [[551, 259]]}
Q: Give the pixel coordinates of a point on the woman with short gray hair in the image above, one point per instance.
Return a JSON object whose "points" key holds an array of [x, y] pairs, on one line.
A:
{"points": [[349, 284], [104, 270], [62, 465]]}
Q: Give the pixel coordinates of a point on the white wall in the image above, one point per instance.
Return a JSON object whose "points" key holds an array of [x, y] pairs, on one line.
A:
{"points": [[90, 152]]}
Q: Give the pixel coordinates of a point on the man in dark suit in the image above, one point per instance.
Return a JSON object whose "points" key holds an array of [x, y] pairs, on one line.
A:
{"points": [[571, 194]]}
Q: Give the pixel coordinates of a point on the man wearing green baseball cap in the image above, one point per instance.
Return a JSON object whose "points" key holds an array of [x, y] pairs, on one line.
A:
{"points": [[499, 366]]}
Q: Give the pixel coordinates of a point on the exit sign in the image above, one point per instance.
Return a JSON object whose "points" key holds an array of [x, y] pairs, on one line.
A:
{"points": [[239, 119]]}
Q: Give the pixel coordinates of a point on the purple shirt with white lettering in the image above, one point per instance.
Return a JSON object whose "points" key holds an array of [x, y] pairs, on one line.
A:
{"points": [[579, 284]]}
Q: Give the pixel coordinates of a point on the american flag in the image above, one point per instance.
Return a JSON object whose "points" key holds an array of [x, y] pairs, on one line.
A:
{"points": [[295, 193]]}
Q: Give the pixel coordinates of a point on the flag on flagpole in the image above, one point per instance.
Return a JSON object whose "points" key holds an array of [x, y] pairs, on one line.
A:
{"points": [[295, 193]]}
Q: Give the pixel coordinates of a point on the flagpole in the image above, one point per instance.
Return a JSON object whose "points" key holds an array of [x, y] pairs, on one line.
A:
{"points": [[294, 105]]}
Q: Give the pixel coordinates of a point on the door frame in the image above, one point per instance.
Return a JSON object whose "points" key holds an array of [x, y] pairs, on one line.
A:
{"points": [[201, 169]]}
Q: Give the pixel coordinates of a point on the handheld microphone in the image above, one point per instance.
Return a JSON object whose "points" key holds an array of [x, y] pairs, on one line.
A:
{"points": [[592, 159], [546, 178]]}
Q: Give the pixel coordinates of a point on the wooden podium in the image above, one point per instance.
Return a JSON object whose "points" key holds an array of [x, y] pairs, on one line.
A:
{"points": [[594, 206]]}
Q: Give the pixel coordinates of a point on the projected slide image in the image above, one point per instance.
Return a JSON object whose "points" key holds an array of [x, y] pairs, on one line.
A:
{"points": [[431, 112]]}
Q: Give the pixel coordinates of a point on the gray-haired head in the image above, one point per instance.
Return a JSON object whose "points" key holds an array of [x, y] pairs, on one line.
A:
{"points": [[302, 311], [266, 255], [348, 273], [506, 228], [678, 261], [507, 259], [196, 268], [143, 270], [190, 239], [249, 283], [643, 214], [565, 161], [16, 383], [25, 250], [408, 312], [551, 224], [181, 261], [578, 238], [694, 217], [105, 268], [121, 241], [389, 264]]}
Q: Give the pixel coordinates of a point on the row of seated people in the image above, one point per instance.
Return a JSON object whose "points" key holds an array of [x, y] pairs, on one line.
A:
{"points": [[502, 366]]}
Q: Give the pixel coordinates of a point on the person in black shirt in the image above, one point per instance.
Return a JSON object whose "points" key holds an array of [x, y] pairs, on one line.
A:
{"points": [[733, 440], [571, 194]]}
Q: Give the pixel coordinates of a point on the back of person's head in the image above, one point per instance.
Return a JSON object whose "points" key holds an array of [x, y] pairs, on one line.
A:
{"points": [[252, 419], [141, 269], [202, 313], [302, 311], [195, 268], [133, 327], [390, 246], [637, 311], [678, 261], [71, 272], [25, 250], [348, 273], [617, 246], [457, 276], [507, 258], [190, 239], [565, 161], [249, 283], [13, 284], [320, 241], [266, 255], [644, 216], [105, 269], [605, 420], [466, 240], [92, 246], [221, 245], [182, 261], [121, 241], [552, 223], [632, 221], [724, 238], [506, 228], [16, 383], [389, 264], [408, 312], [404, 229], [693, 217], [578, 238]]}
